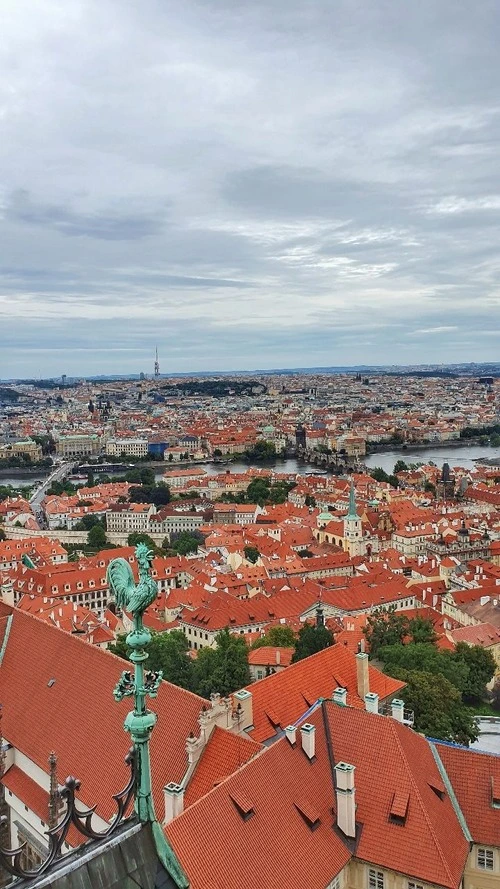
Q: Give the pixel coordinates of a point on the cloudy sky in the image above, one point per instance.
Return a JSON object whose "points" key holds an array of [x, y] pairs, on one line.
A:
{"points": [[257, 184]]}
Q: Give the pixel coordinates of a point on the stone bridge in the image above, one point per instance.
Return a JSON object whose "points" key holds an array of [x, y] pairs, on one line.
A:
{"points": [[337, 461]]}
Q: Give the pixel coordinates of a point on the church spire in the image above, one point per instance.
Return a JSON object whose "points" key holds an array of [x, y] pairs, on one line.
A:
{"points": [[352, 514]]}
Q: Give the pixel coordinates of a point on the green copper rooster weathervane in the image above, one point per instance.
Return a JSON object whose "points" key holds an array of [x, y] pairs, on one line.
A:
{"points": [[140, 721]]}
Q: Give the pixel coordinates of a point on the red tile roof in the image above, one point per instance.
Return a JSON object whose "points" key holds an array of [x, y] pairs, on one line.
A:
{"points": [[287, 695], [76, 715], [222, 756], [260, 820], [270, 655], [472, 775], [274, 846]]}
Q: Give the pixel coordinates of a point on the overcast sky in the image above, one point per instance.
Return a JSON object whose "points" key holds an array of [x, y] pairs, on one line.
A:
{"points": [[248, 184]]}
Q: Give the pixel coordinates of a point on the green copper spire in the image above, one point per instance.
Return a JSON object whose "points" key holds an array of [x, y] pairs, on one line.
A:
{"points": [[352, 514], [141, 721]]}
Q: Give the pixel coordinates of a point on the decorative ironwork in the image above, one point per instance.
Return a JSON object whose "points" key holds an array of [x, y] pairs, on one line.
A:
{"points": [[82, 820], [126, 686]]}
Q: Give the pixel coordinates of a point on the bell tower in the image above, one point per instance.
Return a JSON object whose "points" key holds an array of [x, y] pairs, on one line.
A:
{"points": [[353, 530]]}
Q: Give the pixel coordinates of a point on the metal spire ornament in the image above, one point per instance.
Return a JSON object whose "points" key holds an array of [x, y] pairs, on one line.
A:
{"points": [[139, 723]]}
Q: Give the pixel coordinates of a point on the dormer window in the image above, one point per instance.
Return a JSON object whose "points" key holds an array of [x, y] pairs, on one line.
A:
{"points": [[485, 859]]}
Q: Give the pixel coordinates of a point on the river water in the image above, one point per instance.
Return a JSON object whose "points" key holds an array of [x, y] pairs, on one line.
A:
{"points": [[455, 456]]}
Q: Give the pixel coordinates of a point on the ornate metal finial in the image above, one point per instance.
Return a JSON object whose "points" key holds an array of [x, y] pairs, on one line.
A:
{"points": [[54, 795], [11, 859], [135, 598]]}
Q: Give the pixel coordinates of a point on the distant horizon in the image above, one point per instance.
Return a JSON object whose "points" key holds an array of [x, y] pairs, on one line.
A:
{"points": [[429, 367]]}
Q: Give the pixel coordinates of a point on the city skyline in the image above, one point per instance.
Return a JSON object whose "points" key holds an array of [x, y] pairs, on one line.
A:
{"points": [[275, 186]]}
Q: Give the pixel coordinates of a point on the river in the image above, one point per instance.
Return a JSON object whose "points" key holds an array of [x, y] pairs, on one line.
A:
{"points": [[455, 456]]}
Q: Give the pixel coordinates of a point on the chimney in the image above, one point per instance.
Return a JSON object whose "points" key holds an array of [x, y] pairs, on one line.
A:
{"points": [[291, 734], [174, 801], [371, 702], [397, 709], [194, 748], [340, 696], [243, 700], [308, 733], [278, 657], [346, 798], [362, 674]]}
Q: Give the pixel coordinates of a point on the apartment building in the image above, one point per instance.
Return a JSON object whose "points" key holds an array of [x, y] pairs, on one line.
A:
{"points": [[127, 447], [78, 445], [123, 518]]}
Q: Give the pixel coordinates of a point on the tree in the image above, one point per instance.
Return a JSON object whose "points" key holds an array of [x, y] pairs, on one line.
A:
{"points": [[217, 453], [96, 537], [136, 537], [223, 669], [310, 500], [262, 450], [400, 466], [88, 522], [158, 494], [3, 535], [310, 640], [258, 491], [167, 652], [252, 554], [437, 707], [184, 542], [424, 656], [495, 695], [385, 627], [429, 488], [481, 668], [421, 629], [281, 637]]}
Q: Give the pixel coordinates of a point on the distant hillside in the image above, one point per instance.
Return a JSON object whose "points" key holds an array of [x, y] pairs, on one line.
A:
{"points": [[9, 394]]}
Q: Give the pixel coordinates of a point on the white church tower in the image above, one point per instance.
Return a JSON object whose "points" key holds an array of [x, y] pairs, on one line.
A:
{"points": [[353, 530]]}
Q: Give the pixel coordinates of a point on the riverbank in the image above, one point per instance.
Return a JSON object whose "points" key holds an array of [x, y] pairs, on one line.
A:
{"points": [[382, 447], [454, 453]]}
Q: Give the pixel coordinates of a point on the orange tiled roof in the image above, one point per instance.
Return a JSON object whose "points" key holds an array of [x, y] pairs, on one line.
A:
{"points": [[287, 695], [474, 775], [62, 715], [222, 756], [280, 786]]}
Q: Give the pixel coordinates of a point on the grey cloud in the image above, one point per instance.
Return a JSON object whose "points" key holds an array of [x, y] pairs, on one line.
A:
{"points": [[112, 226], [249, 184]]}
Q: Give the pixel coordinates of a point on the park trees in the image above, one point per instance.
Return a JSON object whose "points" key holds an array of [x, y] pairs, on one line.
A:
{"points": [[310, 640], [223, 669], [252, 554], [168, 652], [96, 538], [281, 637], [437, 706]]}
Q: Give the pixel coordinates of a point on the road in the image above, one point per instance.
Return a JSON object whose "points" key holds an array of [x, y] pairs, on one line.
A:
{"points": [[56, 475]]}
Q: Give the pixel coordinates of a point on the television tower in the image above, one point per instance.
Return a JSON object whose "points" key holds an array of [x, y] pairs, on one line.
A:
{"points": [[157, 364]]}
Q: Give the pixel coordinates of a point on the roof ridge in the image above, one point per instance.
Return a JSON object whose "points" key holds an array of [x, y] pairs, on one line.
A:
{"points": [[424, 810]]}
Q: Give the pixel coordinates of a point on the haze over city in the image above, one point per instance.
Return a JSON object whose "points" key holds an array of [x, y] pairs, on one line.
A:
{"points": [[265, 185]]}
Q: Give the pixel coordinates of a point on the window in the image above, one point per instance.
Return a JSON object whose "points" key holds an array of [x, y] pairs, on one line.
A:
{"points": [[413, 885], [375, 879], [485, 859], [336, 883]]}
